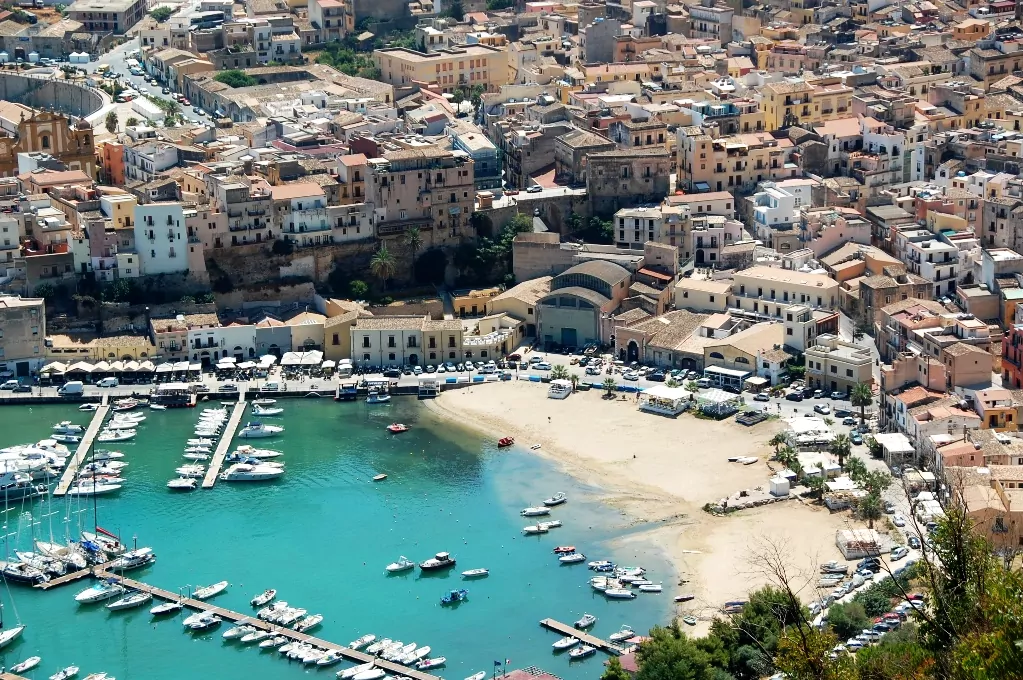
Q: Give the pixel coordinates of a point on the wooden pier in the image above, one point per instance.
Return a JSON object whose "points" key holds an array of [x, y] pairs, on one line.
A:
{"points": [[73, 576], [82, 452], [225, 442], [250, 619], [11, 676], [587, 639]]}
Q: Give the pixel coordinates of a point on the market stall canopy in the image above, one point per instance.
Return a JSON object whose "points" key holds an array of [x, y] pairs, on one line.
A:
{"points": [[246, 365], [328, 364], [226, 365], [148, 366], [165, 368], [101, 367], [55, 367], [117, 366], [131, 366], [267, 360], [80, 366], [181, 366], [197, 367]]}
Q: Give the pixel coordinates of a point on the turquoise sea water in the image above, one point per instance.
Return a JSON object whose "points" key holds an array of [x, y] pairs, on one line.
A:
{"points": [[322, 536]]}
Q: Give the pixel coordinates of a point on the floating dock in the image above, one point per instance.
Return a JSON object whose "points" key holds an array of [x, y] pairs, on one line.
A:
{"points": [[250, 619], [73, 576], [71, 471], [587, 639], [11, 676], [225, 442]]}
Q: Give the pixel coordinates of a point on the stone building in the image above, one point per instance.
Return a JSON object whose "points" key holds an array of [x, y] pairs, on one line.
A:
{"points": [[627, 177], [53, 134]]}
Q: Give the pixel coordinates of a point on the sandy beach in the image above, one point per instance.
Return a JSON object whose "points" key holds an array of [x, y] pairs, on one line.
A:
{"points": [[658, 469]]}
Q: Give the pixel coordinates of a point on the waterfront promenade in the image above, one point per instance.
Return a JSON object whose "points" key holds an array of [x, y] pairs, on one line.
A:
{"points": [[82, 452], [225, 442]]}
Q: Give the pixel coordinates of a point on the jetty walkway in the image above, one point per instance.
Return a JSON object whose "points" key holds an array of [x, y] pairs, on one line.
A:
{"points": [[225, 443], [587, 639], [250, 619], [82, 452]]}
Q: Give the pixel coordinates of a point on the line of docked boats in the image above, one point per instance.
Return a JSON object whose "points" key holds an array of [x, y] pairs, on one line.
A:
{"points": [[52, 560], [66, 673], [246, 464]]}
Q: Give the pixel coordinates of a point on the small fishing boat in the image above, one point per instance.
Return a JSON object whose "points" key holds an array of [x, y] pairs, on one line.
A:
{"points": [[272, 643], [623, 634], [505, 441], [197, 456], [261, 402], [192, 471], [581, 652], [263, 598], [572, 558], [477, 676], [70, 438], [136, 599], [65, 673], [379, 646], [330, 658], [553, 524], [689, 620], [206, 622], [403, 564], [397, 428], [585, 621], [371, 674], [98, 676], [556, 499], [535, 512], [158, 407], [619, 594], [354, 670], [183, 484], [475, 573], [255, 636], [308, 623], [455, 596], [534, 529], [26, 665], [238, 630], [166, 608], [258, 410], [684, 598], [427, 664], [377, 397], [565, 550], [116, 435], [361, 642], [415, 656], [441, 560], [89, 407], [565, 643], [600, 565], [207, 592], [651, 587]]}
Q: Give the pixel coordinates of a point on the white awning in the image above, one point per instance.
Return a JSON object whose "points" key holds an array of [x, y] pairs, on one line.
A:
{"points": [[267, 360], [117, 366], [81, 366], [147, 366], [197, 367], [165, 368], [131, 366], [101, 367], [226, 365], [313, 358], [328, 364], [181, 366], [55, 367], [228, 360]]}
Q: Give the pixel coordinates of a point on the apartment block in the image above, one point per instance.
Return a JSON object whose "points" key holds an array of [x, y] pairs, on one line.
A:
{"points": [[834, 365], [446, 69], [22, 334]]}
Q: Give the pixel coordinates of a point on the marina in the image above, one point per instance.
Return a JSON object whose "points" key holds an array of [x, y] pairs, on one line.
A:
{"points": [[593, 641], [76, 461], [225, 443]]}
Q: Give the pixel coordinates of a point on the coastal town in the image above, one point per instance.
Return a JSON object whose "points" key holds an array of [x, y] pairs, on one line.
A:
{"points": [[748, 271]]}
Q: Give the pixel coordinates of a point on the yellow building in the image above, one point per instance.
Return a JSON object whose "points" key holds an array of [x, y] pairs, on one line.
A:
{"points": [[805, 102], [70, 348], [971, 30], [306, 331], [473, 302], [446, 69], [638, 71], [120, 208], [767, 290]]}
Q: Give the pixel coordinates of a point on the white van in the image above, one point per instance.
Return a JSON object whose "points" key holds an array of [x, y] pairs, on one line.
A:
{"points": [[270, 387], [703, 382], [75, 388], [108, 382]]}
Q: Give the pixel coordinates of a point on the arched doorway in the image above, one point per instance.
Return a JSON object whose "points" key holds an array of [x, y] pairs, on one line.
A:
{"points": [[204, 358], [413, 359], [688, 365], [274, 350], [239, 353], [633, 351]]}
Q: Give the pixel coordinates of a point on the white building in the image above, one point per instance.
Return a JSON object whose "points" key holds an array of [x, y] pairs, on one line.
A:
{"points": [[387, 341], [778, 205], [636, 226], [143, 161], [301, 211], [935, 261], [351, 222], [160, 238]]}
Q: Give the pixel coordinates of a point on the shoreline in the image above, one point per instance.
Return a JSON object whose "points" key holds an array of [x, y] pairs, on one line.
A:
{"points": [[659, 472]]}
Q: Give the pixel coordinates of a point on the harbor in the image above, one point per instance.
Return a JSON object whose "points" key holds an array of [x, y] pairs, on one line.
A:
{"points": [[84, 447], [225, 443], [446, 490]]}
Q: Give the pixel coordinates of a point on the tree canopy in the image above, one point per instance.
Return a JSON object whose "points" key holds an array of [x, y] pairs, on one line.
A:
{"points": [[162, 14], [235, 78]]}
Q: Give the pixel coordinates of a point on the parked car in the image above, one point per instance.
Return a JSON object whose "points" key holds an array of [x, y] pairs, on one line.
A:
{"points": [[228, 387], [889, 508], [848, 420], [657, 376], [794, 396], [417, 370], [108, 382], [166, 90], [838, 395], [592, 370], [899, 521], [534, 189], [914, 542], [856, 438], [822, 409], [9, 385], [541, 366], [899, 553], [392, 373], [762, 396], [843, 413], [23, 388]]}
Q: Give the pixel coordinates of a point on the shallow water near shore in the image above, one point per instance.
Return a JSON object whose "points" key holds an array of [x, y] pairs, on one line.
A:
{"points": [[322, 536]]}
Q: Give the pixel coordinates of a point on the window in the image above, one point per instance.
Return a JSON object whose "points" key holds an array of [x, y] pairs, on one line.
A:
{"points": [[336, 339], [848, 372], [834, 369], [365, 343], [788, 331], [433, 343], [390, 357], [365, 357]]}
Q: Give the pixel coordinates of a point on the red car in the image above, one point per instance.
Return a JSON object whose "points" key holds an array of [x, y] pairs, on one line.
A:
{"points": [[185, 102]]}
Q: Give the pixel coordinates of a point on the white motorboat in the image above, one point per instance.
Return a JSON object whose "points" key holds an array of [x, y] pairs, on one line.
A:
{"points": [[208, 621], [191, 471], [69, 439], [354, 670], [258, 410], [207, 592], [475, 573], [264, 402], [196, 456], [291, 616], [361, 642], [99, 676], [313, 656], [400, 651], [535, 512], [89, 407], [534, 530], [415, 656], [201, 441], [308, 623], [88, 488], [582, 652], [26, 665], [377, 397], [104, 590], [198, 449], [65, 673], [133, 559], [246, 472], [371, 674], [116, 435], [379, 645], [71, 555], [263, 598], [403, 564], [651, 588], [624, 633], [556, 499], [553, 524], [255, 636], [239, 629], [267, 612], [299, 650], [183, 484], [102, 455], [259, 430], [166, 608], [572, 558], [10, 635], [330, 658], [619, 594], [67, 427], [271, 643], [477, 676], [566, 643], [116, 425], [110, 544], [641, 582], [136, 599], [158, 407], [585, 621], [427, 664], [251, 452]]}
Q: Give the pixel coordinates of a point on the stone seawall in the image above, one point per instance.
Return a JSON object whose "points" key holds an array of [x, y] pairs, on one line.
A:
{"points": [[55, 95]]}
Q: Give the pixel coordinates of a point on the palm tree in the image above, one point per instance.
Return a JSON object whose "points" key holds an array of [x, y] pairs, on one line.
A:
{"points": [[382, 265], [609, 387], [575, 381], [861, 396], [841, 447], [816, 485], [871, 508], [776, 441], [856, 469], [559, 372], [413, 240], [787, 457]]}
